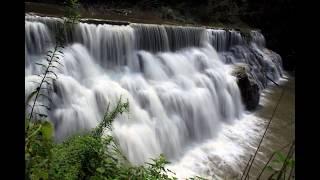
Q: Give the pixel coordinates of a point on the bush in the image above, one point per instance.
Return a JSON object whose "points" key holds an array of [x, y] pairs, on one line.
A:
{"points": [[87, 156], [38, 144]]}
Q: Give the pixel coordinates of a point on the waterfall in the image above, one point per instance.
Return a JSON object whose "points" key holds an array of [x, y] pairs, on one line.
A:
{"points": [[222, 40], [177, 80]]}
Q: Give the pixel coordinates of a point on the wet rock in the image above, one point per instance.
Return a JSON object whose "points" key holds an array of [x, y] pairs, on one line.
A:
{"points": [[249, 88]]}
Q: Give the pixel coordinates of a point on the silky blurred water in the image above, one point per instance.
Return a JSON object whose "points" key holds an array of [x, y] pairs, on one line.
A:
{"points": [[184, 102]]}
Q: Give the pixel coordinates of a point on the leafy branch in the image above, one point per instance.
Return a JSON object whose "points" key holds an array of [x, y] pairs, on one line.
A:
{"points": [[72, 11], [110, 116], [53, 57]]}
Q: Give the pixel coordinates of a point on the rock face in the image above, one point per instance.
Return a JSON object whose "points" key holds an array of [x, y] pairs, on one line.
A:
{"points": [[248, 86]]}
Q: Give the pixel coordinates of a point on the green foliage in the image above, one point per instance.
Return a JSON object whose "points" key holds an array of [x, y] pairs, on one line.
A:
{"points": [[38, 143], [75, 158], [276, 164], [72, 11], [156, 169], [111, 169], [279, 160], [89, 156], [109, 117], [47, 77], [53, 58]]}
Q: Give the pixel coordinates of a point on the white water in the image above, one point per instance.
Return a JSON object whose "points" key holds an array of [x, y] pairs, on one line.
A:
{"points": [[223, 157], [181, 94]]}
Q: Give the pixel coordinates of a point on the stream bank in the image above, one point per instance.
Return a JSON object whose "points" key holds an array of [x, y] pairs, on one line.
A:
{"points": [[282, 128]]}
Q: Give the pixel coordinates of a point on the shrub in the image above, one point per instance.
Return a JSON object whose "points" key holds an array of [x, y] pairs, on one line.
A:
{"points": [[87, 156]]}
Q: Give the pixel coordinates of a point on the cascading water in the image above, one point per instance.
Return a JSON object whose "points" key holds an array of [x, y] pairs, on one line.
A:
{"points": [[180, 89]]}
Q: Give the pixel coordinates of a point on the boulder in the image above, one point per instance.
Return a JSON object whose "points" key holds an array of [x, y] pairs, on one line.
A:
{"points": [[248, 86]]}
